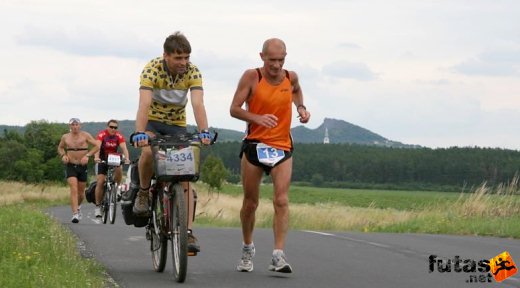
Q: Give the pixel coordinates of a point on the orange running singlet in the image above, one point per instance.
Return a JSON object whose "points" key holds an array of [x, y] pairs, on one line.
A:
{"points": [[276, 100]]}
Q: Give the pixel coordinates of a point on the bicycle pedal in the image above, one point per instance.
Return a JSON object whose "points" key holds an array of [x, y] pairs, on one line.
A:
{"points": [[192, 253]]}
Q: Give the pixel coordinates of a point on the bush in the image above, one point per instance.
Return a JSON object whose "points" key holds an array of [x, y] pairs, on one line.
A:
{"points": [[214, 172]]}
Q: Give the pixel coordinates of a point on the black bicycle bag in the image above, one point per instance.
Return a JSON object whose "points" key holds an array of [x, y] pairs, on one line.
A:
{"points": [[90, 192], [128, 198]]}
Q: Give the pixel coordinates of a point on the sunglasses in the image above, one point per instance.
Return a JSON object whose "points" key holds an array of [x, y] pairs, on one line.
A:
{"points": [[113, 127]]}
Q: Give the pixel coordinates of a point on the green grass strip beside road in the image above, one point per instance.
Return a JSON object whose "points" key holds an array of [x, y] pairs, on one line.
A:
{"points": [[36, 251]]}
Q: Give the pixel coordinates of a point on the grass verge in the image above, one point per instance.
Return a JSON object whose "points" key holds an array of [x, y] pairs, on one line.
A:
{"points": [[36, 250]]}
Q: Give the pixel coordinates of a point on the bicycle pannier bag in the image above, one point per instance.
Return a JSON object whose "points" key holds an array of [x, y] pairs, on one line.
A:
{"points": [[90, 192], [128, 198]]}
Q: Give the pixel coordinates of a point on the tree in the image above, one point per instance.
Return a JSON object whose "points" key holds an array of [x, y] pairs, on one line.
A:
{"points": [[33, 156], [10, 152], [44, 136], [214, 172], [12, 135], [30, 167]]}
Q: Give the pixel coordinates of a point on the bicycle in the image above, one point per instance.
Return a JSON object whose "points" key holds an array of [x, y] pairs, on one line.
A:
{"points": [[176, 160], [109, 202]]}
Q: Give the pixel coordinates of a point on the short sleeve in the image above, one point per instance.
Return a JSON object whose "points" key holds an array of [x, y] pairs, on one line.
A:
{"points": [[195, 80], [148, 76], [120, 138], [100, 136]]}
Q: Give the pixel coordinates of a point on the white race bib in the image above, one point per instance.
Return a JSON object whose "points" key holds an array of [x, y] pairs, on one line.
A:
{"points": [[268, 155], [114, 159], [180, 162]]}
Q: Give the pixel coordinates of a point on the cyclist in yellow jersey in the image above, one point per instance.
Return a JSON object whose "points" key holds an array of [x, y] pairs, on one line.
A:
{"points": [[163, 96], [268, 93]]}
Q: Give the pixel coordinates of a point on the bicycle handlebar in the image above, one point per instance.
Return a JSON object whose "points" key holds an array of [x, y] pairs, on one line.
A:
{"points": [[184, 138]]}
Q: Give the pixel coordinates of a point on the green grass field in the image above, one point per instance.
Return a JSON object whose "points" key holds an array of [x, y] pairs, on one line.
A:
{"points": [[400, 200], [485, 211]]}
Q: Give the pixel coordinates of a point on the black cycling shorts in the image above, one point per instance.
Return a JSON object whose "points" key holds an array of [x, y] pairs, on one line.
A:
{"points": [[76, 170], [164, 129], [101, 168], [249, 150]]}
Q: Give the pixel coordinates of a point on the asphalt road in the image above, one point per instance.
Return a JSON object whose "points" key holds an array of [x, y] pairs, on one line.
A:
{"points": [[319, 259]]}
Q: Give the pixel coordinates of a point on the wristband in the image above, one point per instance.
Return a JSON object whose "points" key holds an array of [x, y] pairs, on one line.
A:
{"points": [[301, 105]]}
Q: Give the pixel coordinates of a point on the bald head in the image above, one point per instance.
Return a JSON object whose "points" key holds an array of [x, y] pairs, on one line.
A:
{"points": [[275, 44]]}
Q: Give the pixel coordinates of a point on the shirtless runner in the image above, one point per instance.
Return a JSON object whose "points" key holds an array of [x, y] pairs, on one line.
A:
{"points": [[74, 152]]}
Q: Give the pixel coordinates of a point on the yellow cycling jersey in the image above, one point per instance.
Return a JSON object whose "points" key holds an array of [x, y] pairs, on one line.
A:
{"points": [[170, 93]]}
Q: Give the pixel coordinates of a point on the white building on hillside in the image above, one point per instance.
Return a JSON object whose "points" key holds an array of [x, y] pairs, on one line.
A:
{"points": [[326, 138]]}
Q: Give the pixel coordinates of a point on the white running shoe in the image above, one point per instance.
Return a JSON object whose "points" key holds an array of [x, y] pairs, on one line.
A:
{"points": [[75, 218], [246, 262], [279, 264], [97, 211]]}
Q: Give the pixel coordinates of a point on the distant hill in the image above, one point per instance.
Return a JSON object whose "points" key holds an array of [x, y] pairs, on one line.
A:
{"points": [[127, 127], [339, 131]]}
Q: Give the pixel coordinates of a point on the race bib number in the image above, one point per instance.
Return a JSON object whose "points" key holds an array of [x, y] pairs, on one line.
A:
{"points": [[114, 159], [268, 155], [180, 162]]}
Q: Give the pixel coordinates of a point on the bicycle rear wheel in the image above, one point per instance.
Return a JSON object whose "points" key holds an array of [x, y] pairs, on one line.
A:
{"points": [[179, 237], [112, 204], [158, 239]]}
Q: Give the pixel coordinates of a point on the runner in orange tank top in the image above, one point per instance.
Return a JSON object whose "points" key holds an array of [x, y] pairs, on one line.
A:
{"points": [[268, 93], [274, 99]]}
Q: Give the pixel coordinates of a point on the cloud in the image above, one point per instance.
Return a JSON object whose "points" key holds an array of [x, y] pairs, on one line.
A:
{"points": [[87, 42], [349, 45], [478, 67], [345, 69], [502, 56], [222, 67], [500, 62]]}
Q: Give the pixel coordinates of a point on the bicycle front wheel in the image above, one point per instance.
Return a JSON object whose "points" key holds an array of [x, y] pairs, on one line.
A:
{"points": [[179, 232], [112, 204], [106, 203], [158, 239]]}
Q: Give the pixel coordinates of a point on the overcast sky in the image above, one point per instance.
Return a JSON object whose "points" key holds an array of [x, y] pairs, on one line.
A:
{"points": [[432, 73]]}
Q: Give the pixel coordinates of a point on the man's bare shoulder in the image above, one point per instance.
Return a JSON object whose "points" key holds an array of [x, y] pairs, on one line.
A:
{"points": [[250, 75], [293, 75], [86, 134]]}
